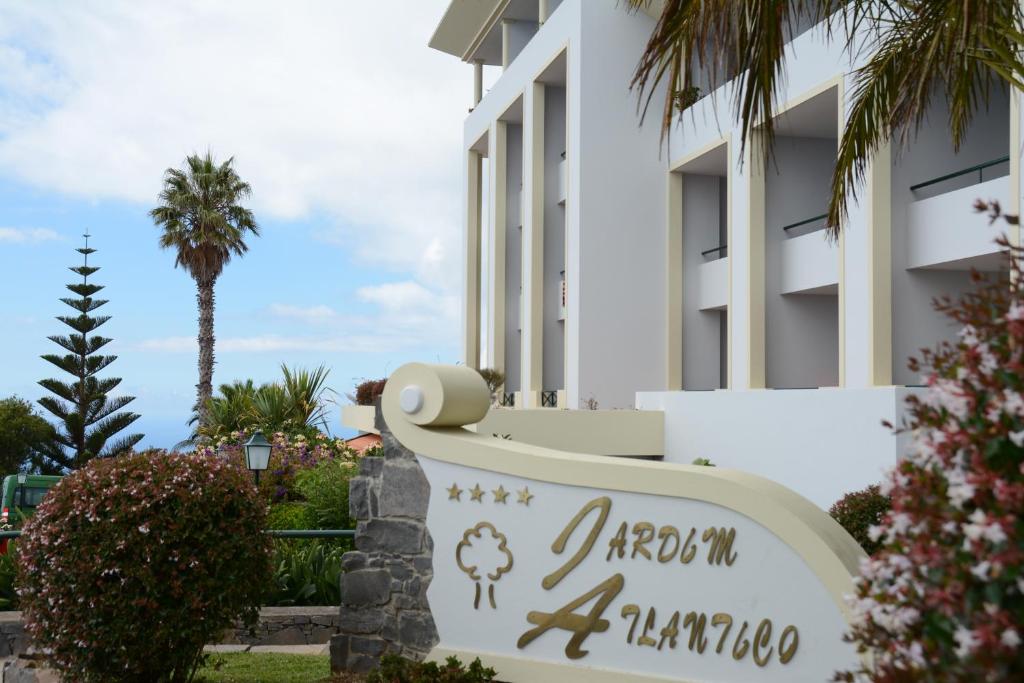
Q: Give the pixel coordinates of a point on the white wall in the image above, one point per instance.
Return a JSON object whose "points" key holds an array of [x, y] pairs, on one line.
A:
{"points": [[801, 330], [915, 323], [621, 228], [701, 223], [554, 240], [513, 257], [821, 443]]}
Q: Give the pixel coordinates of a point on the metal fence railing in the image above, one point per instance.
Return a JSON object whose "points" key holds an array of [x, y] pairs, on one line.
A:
{"points": [[276, 533]]}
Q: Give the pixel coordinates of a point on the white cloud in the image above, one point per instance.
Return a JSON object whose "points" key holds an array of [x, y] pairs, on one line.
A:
{"points": [[331, 107], [309, 314], [27, 235], [407, 316]]}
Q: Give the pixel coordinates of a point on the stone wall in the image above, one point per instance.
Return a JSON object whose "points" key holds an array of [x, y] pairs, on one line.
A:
{"points": [[383, 590], [288, 626]]}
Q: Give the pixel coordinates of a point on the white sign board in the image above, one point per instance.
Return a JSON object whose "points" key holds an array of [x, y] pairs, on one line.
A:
{"points": [[669, 587], [560, 566]]}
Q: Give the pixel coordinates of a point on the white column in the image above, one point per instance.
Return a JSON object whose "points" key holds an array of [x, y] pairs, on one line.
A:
{"points": [[533, 244], [747, 267], [506, 42], [471, 254], [478, 81], [542, 12], [497, 145]]}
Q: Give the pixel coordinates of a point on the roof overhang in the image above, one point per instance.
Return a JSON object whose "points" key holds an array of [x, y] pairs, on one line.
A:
{"points": [[465, 24]]}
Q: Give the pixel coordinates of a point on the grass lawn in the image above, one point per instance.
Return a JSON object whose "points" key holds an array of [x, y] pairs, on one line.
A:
{"points": [[245, 667]]}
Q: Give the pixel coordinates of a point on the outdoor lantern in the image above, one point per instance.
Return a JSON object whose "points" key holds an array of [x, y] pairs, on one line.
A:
{"points": [[257, 454], [22, 478]]}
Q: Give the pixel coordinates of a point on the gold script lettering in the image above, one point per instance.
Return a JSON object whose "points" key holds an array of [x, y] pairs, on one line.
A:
{"points": [[721, 545], [786, 651], [580, 625], [644, 532], [665, 533], [761, 638], [604, 504], [689, 551], [617, 546]]}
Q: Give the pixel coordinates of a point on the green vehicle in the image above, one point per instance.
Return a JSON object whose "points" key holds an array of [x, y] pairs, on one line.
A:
{"points": [[22, 493]]}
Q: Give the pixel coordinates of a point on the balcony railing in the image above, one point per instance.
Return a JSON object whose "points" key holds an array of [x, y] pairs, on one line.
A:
{"points": [[508, 399], [722, 250], [977, 168], [806, 221], [549, 399], [563, 301]]}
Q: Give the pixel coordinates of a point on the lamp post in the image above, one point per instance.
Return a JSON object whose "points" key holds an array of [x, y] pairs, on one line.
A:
{"points": [[257, 454]]}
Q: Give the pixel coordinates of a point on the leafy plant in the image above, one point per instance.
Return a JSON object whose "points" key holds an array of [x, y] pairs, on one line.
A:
{"points": [[961, 52], [132, 564], [290, 455], [23, 434], [706, 462], [368, 391], [88, 417], [942, 599], [395, 669], [291, 515], [295, 405], [325, 488], [494, 378], [306, 574], [857, 512]]}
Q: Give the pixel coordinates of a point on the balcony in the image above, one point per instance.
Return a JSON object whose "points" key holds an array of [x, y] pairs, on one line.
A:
{"points": [[945, 233], [714, 283], [810, 262]]}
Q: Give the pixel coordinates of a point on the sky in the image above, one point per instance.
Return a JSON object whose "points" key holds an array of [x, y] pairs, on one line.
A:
{"points": [[344, 122]]}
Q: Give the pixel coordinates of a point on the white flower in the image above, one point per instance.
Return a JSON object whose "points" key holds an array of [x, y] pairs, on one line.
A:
{"points": [[969, 335], [1016, 311], [994, 533], [981, 569], [966, 641], [144, 529], [1017, 438], [1010, 638]]}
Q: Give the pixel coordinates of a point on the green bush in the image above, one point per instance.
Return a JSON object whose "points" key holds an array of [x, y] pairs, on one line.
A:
{"points": [[325, 488], [132, 564], [306, 573], [291, 516], [394, 669], [857, 512]]}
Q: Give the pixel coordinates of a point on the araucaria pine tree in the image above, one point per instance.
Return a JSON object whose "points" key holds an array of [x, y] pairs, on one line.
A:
{"points": [[87, 418]]}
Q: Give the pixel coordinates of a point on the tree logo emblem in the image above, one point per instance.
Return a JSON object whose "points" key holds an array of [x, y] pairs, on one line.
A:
{"points": [[467, 548]]}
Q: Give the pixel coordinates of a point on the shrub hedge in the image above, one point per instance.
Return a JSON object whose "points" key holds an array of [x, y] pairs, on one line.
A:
{"points": [[131, 565], [857, 512]]}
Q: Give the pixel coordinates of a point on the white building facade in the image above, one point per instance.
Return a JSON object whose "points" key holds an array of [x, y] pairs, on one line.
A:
{"points": [[605, 268]]}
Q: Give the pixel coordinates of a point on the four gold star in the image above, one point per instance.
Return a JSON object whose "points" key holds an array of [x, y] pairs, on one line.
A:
{"points": [[500, 494], [476, 494]]}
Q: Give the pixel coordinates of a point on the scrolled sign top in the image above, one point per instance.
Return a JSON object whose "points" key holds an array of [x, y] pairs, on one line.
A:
{"points": [[624, 569]]}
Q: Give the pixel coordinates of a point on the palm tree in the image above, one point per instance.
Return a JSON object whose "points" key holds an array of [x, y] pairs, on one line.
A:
{"points": [[202, 220], [918, 49]]}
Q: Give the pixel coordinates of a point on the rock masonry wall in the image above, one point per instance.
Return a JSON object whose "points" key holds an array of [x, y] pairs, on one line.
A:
{"points": [[384, 586]]}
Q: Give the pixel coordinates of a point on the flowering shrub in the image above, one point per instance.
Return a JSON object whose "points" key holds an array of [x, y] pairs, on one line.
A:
{"points": [[290, 455], [857, 512], [369, 391], [943, 599], [132, 564]]}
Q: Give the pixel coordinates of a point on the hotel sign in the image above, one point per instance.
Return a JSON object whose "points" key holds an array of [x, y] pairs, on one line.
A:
{"points": [[559, 566]]}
